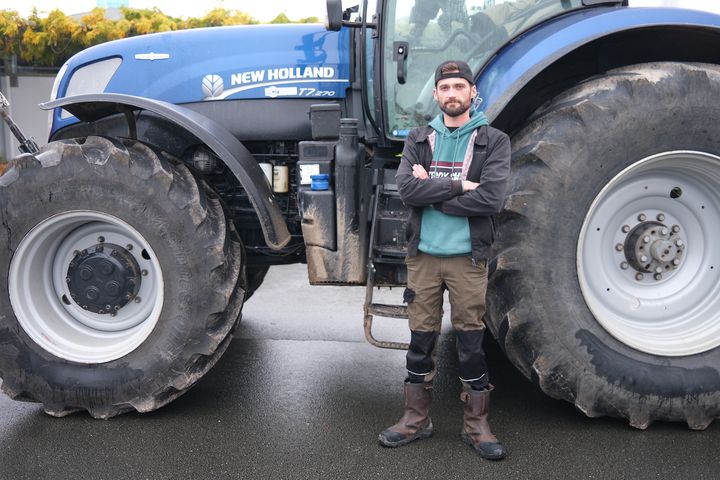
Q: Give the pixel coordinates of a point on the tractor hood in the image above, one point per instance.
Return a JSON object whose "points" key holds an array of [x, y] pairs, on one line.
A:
{"points": [[211, 64]]}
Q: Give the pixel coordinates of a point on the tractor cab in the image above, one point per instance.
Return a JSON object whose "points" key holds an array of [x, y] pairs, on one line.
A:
{"points": [[403, 41]]}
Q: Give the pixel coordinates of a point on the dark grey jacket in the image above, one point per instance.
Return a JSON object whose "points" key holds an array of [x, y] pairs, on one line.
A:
{"points": [[490, 168]]}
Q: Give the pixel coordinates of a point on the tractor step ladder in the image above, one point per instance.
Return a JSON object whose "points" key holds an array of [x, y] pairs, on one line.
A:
{"points": [[386, 255]]}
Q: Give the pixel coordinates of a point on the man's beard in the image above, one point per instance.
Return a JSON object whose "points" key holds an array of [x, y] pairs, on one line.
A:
{"points": [[458, 109]]}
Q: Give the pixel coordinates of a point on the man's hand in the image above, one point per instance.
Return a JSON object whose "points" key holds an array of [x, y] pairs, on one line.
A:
{"points": [[468, 185], [419, 172]]}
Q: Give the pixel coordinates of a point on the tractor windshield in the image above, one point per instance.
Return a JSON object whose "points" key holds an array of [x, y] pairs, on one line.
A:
{"points": [[419, 34]]}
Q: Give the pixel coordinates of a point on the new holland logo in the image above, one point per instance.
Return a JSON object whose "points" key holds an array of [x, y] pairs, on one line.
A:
{"points": [[212, 86]]}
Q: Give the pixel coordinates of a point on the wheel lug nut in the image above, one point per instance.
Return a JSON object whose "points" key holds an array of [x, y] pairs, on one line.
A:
{"points": [[639, 276], [676, 228], [679, 243], [660, 217], [664, 231], [657, 276], [676, 261], [626, 228], [619, 247], [624, 265], [642, 217], [643, 258], [646, 239], [658, 269], [101, 239]]}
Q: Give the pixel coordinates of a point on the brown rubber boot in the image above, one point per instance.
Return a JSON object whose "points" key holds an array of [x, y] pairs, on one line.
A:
{"points": [[476, 429], [415, 423]]}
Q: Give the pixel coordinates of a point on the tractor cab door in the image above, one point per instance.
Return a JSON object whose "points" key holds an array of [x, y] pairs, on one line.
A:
{"points": [[417, 35]]}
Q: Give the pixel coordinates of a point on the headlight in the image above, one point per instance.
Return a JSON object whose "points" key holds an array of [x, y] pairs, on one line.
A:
{"points": [[92, 78]]}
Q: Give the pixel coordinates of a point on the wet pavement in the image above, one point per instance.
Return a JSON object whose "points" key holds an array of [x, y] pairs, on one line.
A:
{"points": [[300, 394]]}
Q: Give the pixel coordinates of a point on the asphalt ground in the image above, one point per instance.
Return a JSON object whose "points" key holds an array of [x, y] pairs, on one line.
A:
{"points": [[301, 395]]}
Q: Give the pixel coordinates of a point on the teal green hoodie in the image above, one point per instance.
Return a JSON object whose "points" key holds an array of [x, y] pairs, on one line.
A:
{"points": [[440, 234]]}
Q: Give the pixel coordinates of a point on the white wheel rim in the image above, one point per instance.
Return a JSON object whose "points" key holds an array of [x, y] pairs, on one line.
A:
{"points": [[42, 300], [676, 312]]}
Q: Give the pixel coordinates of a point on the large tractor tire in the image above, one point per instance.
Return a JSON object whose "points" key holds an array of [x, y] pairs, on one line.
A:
{"points": [[119, 281], [606, 288]]}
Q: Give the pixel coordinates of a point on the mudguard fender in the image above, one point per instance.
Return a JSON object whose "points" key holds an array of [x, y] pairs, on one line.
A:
{"points": [[232, 152]]}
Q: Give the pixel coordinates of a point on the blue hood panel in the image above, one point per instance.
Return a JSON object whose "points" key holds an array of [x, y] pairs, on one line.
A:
{"points": [[257, 61]]}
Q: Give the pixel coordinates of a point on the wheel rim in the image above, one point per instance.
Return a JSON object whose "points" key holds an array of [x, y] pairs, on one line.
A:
{"points": [[68, 269], [648, 256]]}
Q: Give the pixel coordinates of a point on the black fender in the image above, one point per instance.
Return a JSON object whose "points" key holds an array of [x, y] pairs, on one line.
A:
{"points": [[93, 107]]}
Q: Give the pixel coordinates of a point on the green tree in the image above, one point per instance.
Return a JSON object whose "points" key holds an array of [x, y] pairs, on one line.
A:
{"points": [[96, 28], [11, 28], [219, 17], [52, 40], [281, 18], [144, 21]]}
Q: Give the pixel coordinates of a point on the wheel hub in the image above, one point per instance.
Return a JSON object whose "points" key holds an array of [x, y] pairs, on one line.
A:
{"points": [[104, 278], [648, 262], [652, 247], [74, 284]]}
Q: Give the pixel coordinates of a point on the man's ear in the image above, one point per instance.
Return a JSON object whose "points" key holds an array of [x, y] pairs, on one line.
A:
{"points": [[435, 94], [473, 91]]}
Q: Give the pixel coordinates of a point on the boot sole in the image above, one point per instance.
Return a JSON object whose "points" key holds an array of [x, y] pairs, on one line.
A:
{"points": [[422, 434], [468, 441]]}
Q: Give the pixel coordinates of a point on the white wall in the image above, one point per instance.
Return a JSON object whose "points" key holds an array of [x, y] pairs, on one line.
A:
{"points": [[24, 100]]}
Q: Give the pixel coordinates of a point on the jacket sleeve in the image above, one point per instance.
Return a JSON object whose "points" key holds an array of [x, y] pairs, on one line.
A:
{"points": [[489, 197], [421, 193]]}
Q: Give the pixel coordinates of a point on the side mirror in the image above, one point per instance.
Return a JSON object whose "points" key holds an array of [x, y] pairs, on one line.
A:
{"points": [[334, 15]]}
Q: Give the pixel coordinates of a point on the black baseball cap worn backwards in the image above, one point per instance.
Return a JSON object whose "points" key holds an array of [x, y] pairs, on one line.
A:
{"points": [[463, 71]]}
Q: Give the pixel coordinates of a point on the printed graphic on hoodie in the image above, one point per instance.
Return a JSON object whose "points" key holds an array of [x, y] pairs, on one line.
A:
{"points": [[441, 169]]}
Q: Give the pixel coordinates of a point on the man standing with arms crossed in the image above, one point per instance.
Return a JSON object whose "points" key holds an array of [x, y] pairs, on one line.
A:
{"points": [[454, 174]]}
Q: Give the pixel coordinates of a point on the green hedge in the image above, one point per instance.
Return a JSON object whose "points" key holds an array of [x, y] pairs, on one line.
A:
{"points": [[49, 41]]}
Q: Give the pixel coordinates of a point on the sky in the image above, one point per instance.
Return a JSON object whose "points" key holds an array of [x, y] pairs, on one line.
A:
{"points": [[709, 5], [262, 10]]}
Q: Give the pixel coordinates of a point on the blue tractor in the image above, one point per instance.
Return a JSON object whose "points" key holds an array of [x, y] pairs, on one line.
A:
{"points": [[182, 165]]}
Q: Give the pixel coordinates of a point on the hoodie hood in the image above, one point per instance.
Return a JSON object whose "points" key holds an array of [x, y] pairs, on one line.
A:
{"points": [[477, 119]]}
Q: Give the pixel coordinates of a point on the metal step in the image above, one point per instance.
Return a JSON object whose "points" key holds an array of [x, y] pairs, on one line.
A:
{"points": [[389, 311], [387, 252]]}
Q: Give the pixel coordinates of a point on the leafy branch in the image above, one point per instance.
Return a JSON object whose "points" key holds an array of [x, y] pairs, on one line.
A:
{"points": [[50, 41]]}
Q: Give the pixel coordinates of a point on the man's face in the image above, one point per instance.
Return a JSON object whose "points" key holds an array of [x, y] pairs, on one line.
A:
{"points": [[454, 95]]}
